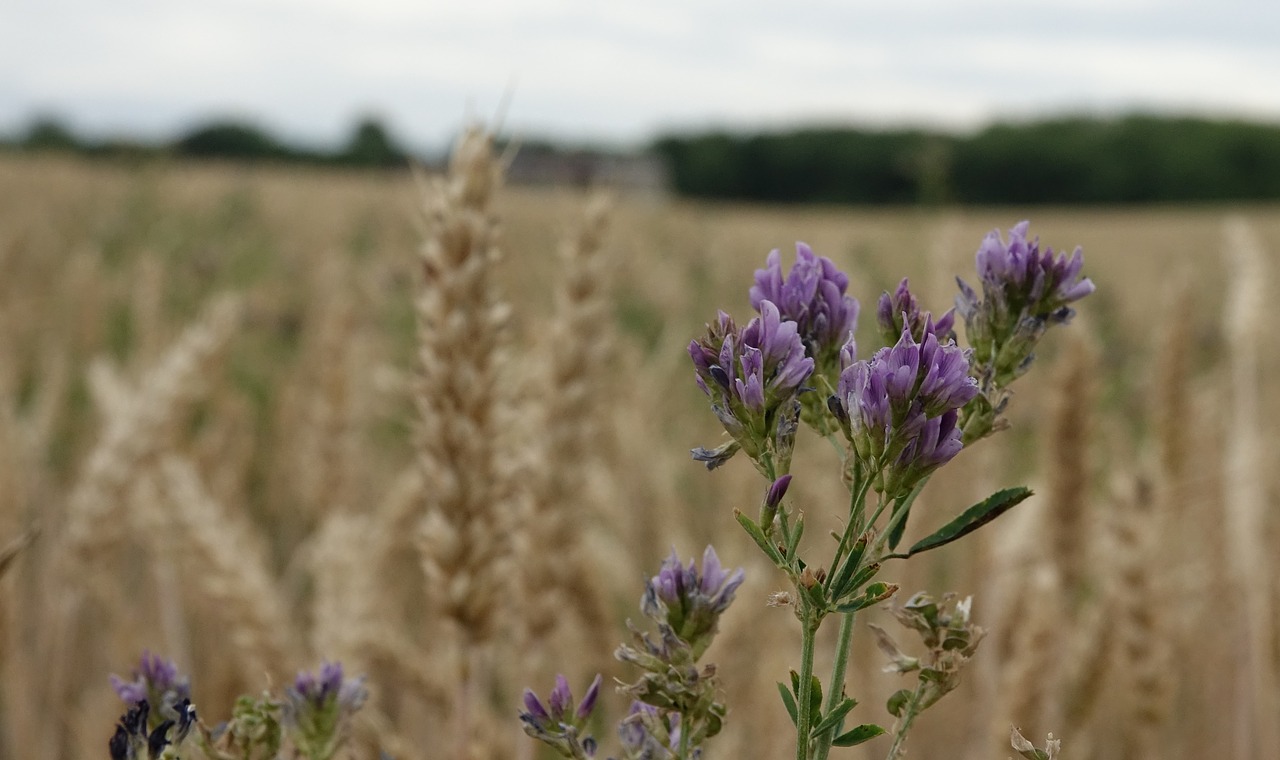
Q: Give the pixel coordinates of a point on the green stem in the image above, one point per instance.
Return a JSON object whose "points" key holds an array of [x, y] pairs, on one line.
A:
{"points": [[804, 718], [685, 734], [900, 736], [836, 687]]}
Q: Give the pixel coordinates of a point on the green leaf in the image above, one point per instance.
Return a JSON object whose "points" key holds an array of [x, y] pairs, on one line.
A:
{"points": [[758, 536], [836, 715], [815, 694], [895, 537], [858, 735], [789, 702], [874, 594], [793, 540], [898, 702], [970, 520]]}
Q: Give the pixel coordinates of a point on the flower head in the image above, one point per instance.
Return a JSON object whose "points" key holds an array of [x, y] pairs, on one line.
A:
{"points": [[690, 600], [318, 707], [560, 722], [752, 376], [900, 407], [158, 682], [900, 310], [812, 295], [1024, 290]]}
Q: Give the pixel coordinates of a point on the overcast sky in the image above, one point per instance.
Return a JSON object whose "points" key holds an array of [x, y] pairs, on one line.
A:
{"points": [[622, 71]]}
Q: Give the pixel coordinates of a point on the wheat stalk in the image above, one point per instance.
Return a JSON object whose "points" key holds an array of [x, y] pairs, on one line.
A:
{"points": [[1245, 319]]}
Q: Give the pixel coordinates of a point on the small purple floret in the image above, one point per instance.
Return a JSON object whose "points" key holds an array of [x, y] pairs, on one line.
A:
{"points": [[901, 406], [812, 295]]}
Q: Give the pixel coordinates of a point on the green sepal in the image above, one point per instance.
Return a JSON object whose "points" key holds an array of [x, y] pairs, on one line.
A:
{"points": [[970, 520], [858, 735], [758, 536], [898, 702], [832, 719], [789, 702]]}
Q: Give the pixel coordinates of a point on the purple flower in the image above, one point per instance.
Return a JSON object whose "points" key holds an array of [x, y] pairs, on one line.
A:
{"points": [[329, 685], [900, 310], [900, 407], [645, 734], [691, 601], [560, 722], [156, 681], [750, 375], [1024, 291], [813, 296]]}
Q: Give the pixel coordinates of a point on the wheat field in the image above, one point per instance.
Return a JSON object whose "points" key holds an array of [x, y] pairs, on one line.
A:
{"points": [[255, 418]]}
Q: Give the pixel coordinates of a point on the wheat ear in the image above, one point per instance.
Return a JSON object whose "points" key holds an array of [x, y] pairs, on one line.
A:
{"points": [[231, 570], [560, 592], [1246, 318]]}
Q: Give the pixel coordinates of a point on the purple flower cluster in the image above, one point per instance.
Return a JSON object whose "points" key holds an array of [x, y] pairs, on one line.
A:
{"points": [[1023, 279], [900, 408], [646, 735], [812, 295], [560, 722], [156, 681], [691, 601], [318, 691], [750, 374], [901, 311], [1024, 291]]}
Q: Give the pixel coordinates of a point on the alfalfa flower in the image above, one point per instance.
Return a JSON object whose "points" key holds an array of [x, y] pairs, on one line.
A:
{"points": [[1024, 291], [900, 311], [813, 296], [691, 600], [646, 734], [319, 706], [560, 722], [900, 408], [158, 682], [752, 377]]}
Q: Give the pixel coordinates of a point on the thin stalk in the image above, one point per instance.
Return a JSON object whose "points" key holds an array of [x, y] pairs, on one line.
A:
{"points": [[836, 687], [685, 733], [858, 501], [900, 735], [804, 722]]}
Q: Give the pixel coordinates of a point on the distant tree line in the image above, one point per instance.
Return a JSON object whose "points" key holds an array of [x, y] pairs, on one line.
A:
{"points": [[1134, 159], [370, 144], [1131, 159]]}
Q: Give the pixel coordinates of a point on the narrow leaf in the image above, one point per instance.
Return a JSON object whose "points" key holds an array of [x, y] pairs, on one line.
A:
{"points": [[758, 536], [895, 537], [815, 695], [971, 519], [836, 715], [858, 735], [793, 541], [789, 702]]}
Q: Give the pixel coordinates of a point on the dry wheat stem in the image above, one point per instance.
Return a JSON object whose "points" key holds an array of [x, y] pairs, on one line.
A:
{"points": [[1246, 318]]}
